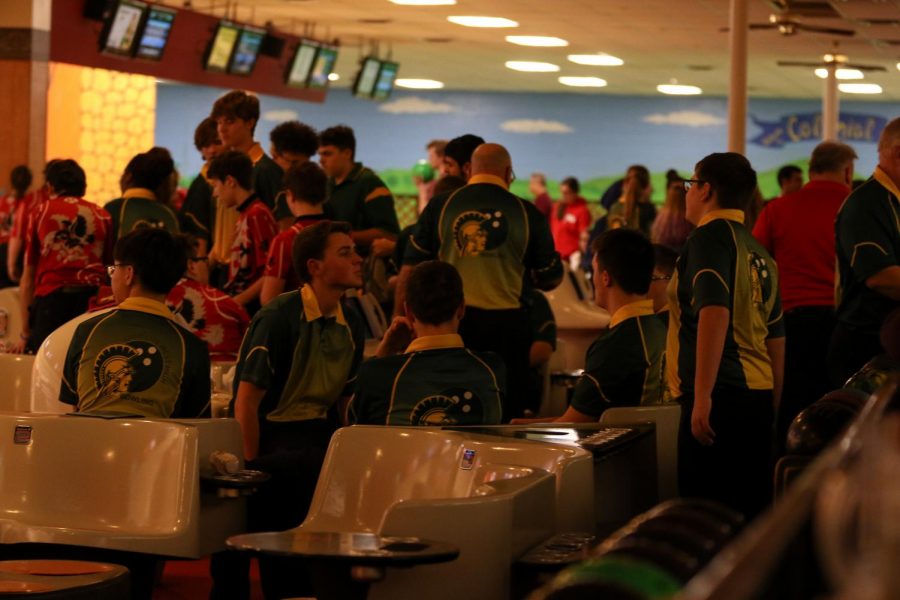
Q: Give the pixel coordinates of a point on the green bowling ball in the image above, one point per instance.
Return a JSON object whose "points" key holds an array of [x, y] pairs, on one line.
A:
{"points": [[616, 577], [423, 170]]}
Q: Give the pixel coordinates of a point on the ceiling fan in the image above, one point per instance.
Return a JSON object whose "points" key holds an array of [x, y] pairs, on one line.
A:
{"points": [[831, 59], [787, 25]]}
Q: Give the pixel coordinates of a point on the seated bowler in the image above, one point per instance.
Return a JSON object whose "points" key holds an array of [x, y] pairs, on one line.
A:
{"points": [[436, 380], [136, 359]]}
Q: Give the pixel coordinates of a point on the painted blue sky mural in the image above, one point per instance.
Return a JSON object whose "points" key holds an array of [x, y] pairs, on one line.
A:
{"points": [[584, 135]]}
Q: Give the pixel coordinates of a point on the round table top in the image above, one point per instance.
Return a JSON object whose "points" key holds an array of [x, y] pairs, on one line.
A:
{"points": [[359, 548]]}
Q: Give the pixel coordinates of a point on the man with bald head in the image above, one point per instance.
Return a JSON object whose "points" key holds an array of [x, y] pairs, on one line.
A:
{"points": [[502, 247], [867, 241]]}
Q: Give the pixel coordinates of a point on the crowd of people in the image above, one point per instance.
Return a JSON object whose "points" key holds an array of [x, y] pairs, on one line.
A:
{"points": [[716, 301]]}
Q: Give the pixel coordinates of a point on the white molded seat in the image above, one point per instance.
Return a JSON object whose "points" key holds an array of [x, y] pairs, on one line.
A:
{"points": [[15, 373], [11, 303], [578, 322], [493, 497]]}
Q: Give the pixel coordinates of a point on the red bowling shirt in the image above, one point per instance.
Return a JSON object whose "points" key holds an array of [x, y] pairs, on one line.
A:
{"points": [[567, 229], [69, 242], [253, 233], [798, 231], [25, 209], [7, 216], [280, 264], [210, 314]]}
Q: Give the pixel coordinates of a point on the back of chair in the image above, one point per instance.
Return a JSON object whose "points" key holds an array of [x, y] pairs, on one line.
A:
{"points": [[15, 373]]}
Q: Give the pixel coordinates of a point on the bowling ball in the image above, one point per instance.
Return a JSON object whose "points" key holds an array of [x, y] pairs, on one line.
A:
{"points": [[681, 534], [423, 170], [823, 421], [873, 375], [612, 578], [677, 563], [711, 508]]}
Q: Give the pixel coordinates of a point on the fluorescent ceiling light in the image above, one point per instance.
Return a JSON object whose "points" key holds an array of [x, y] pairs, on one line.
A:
{"points": [[596, 60], [333, 77], [424, 2], [674, 89], [841, 73], [419, 84], [482, 21], [542, 41], [531, 66], [898, 66], [583, 81], [860, 88]]}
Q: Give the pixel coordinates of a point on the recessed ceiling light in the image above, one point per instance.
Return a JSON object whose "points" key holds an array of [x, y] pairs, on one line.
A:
{"points": [[583, 81], [532, 66], [482, 21], [542, 41], [333, 77], [596, 60], [674, 89], [898, 66], [419, 84], [860, 88], [424, 2], [841, 73]]}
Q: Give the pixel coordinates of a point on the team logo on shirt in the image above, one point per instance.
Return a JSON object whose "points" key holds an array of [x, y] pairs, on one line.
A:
{"points": [[123, 368], [476, 231], [72, 237], [760, 279], [450, 407]]}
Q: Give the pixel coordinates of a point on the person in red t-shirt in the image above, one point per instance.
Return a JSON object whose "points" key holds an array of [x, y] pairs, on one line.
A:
{"points": [[67, 246], [210, 314], [305, 186], [20, 180], [231, 176], [569, 219], [24, 208], [798, 230]]}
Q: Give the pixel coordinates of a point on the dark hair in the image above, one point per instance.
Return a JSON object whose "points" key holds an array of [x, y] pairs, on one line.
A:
{"points": [[627, 255], [206, 134], [295, 137], [158, 258], [150, 169], [664, 258], [786, 172], [191, 244], [461, 148], [448, 184], [572, 184], [237, 104], [233, 163], [67, 177], [339, 136], [730, 176], [310, 243], [306, 182], [672, 175], [20, 179], [434, 292], [641, 174]]}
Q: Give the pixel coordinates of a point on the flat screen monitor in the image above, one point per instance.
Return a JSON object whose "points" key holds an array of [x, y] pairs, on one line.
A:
{"points": [[120, 32], [384, 85], [247, 51], [156, 33], [301, 67], [222, 46], [368, 75], [322, 67]]}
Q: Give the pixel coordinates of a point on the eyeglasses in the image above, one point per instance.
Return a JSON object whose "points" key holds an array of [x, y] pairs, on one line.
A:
{"points": [[660, 277], [110, 269], [689, 183]]}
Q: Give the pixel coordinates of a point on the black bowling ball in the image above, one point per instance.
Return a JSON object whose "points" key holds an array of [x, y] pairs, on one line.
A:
{"points": [[711, 525], [711, 508], [823, 421], [672, 560], [611, 578], [873, 375], [683, 535]]}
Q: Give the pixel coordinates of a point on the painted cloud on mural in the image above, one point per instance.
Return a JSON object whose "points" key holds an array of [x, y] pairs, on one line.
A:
{"points": [[413, 105], [535, 126], [278, 116], [688, 118]]}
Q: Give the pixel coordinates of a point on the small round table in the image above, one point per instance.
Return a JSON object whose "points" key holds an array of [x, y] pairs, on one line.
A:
{"points": [[69, 579], [342, 565]]}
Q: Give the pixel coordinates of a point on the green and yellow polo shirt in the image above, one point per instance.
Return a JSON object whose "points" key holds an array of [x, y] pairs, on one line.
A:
{"points": [[137, 360], [867, 232], [303, 359], [722, 264], [624, 366], [138, 207], [435, 382], [543, 323], [198, 212], [363, 200], [497, 241], [268, 179]]}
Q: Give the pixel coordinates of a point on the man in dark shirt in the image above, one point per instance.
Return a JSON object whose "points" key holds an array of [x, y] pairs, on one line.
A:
{"points": [[198, 213]]}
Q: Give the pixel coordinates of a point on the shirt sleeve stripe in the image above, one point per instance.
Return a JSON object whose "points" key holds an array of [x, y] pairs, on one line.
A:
{"points": [[378, 192], [858, 246], [719, 277]]}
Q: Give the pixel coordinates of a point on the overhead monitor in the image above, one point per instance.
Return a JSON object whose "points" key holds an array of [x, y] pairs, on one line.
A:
{"points": [[222, 46], [364, 85], [384, 84], [246, 51], [120, 30], [322, 67], [156, 31], [300, 68]]}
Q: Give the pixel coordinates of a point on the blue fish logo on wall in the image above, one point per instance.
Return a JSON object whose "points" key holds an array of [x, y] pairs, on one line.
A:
{"points": [[807, 127]]}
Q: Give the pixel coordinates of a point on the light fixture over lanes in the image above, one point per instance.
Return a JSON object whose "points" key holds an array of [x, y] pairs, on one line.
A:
{"points": [[473, 21], [532, 66], [539, 41]]}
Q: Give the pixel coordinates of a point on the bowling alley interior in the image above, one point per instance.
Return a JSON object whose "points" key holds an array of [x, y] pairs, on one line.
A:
{"points": [[441, 299]]}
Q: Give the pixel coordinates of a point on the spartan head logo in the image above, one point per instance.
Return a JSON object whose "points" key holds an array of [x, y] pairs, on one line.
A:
{"points": [[450, 407], [476, 231], [760, 279], [131, 367]]}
